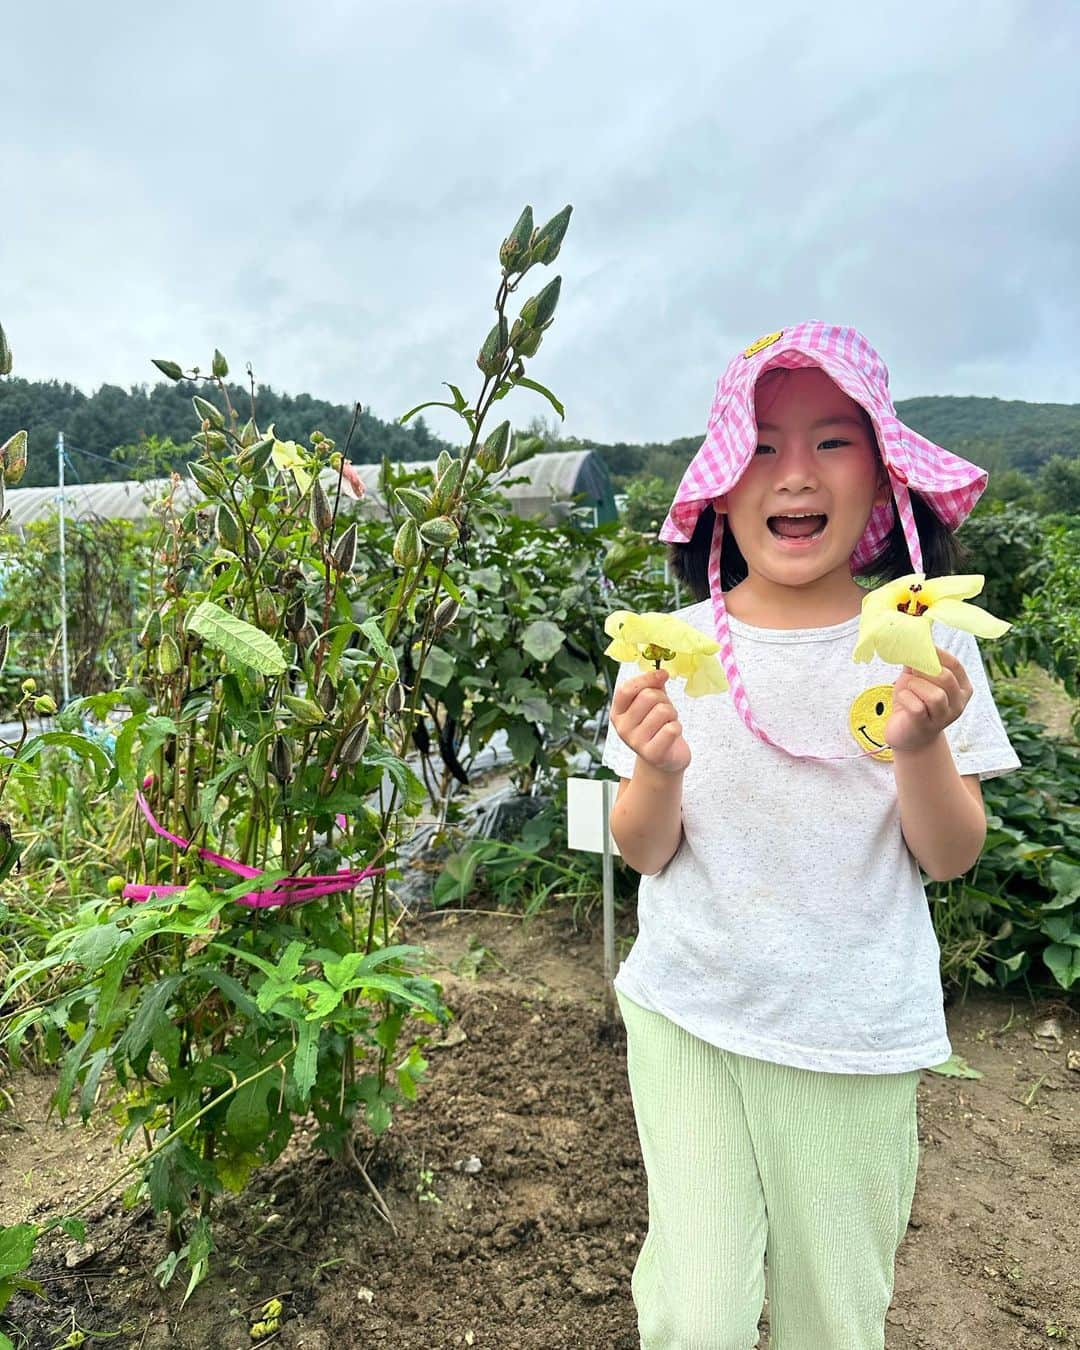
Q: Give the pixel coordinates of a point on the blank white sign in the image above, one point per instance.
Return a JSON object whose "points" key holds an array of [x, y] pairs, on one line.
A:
{"points": [[585, 813]]}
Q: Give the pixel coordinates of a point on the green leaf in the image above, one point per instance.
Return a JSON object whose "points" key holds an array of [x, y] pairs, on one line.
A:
{"points": [[374, 634], [489, 578], [93, 947], [248, 1117], [1059, 928], [1064, 962], [535, 709], [539, 389], [433, 403], [201, 1242], [438, 667], [74, 1228], [90, 1083], [151, 1011], [154, 732], [955, 1067], [70, 1069], [17, 1248], [1065, 879], [306, 1059], [523, 741], [235, 1172], [542, 639], [124, 749], [240, 641], [78, 745]]}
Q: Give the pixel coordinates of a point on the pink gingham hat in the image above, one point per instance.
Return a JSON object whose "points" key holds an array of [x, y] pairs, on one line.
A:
{"points": [[949, 484]]}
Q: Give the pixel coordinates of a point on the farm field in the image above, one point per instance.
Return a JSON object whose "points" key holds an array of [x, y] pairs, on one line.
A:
{"points": [[535, 1248]]}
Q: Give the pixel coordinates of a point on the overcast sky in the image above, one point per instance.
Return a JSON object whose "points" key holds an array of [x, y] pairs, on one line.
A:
{"points": [[321, 189]]}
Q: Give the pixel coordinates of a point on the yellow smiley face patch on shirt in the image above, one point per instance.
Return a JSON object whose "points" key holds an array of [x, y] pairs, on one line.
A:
{"points": [[867, 717]]}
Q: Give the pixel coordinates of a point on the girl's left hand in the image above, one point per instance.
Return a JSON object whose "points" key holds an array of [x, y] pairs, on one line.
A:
{"points": [[924, 705]]}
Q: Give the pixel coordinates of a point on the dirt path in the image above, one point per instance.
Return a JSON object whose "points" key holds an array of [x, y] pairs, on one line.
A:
{"points": [[533, 1249]]}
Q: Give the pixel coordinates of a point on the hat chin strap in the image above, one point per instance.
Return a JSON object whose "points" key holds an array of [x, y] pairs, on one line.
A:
{"points": [[723, 632], [902, 497]]}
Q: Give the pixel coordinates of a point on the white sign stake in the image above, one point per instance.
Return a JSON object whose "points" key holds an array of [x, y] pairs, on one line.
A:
{"points": [[588, 811]]}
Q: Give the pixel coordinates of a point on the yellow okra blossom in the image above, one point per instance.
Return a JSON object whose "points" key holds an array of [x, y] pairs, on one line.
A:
{"points": [[896, 619], [288, 457], [662, 641]]}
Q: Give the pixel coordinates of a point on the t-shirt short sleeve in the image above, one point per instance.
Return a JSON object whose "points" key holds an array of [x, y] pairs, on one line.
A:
{"points": [[978, 740], [617, 754]]}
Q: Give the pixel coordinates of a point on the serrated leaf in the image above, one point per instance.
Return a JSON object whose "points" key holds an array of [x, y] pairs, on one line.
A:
{"points": [[17, 1248], [150, 1012], [93, 947], [248, 1117], [240, 641], [956, 1067], [70, 1070], [90, 1083], [374, 634], [78, 745], [306, 1059], [234, 1172]]}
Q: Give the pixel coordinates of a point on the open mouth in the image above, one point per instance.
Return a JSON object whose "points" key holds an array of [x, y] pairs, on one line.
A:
{"points": [[798, 525]]}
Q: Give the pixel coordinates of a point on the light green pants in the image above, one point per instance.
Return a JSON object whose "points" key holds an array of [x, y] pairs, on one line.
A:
{"points": [[749, 1161]]}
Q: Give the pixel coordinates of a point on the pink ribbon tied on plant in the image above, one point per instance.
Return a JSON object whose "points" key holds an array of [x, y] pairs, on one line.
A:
{"points": [[287, 891]]}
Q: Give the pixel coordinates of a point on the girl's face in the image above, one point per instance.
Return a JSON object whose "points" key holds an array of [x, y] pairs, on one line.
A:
{"points": [[803, 501]]}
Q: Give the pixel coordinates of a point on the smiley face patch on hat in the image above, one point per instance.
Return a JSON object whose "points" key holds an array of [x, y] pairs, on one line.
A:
{"points": [[867, 717], [763, 342]]}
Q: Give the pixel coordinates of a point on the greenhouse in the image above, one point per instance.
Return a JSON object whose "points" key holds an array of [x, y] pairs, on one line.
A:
{"points": [[552, 483]]}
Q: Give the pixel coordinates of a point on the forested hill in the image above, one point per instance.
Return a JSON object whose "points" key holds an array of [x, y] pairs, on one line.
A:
{"points": [[992, 432], [997, 433], [142, 418], [158, 421]]}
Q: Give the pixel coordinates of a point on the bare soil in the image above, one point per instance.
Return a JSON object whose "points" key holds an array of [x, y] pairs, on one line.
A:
{"points": [[534, 1250]]}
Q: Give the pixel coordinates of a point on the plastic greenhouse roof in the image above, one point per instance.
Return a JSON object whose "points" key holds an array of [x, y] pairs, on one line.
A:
{"points": [[550, 478]]}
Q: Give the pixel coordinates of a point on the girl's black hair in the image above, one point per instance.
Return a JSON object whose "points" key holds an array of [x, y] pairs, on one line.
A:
{"points": [[942, 553]]}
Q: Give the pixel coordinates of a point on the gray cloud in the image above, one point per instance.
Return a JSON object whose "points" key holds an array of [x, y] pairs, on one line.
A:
{"points": [[323, 192]]}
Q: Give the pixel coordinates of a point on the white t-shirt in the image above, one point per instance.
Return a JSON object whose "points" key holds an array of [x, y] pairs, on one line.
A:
{"points": [[791, 924]]}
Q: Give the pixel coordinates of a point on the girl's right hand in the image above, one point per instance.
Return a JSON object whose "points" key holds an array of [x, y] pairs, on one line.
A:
{"points": [[645, 718]]}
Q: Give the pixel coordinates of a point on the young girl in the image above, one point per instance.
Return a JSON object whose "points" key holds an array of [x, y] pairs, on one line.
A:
{"points": [[784, 990]]}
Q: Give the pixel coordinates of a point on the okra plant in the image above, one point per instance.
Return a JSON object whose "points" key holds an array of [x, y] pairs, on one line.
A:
{"points": [[263, 734]]}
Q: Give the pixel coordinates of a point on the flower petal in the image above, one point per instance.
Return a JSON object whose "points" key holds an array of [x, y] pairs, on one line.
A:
{"points": [[707, 678], [952, 588], [901, 639], [971, 618], [891, 594], [619, 650], [613, 624]]}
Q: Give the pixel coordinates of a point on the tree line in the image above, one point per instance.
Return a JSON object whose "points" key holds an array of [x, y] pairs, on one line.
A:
{"points": [[147, 429], [1031, 449]]}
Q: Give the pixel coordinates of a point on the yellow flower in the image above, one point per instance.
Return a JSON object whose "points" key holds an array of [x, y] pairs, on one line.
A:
{"points": [[288, 457], [896, 619], [662, 641]]}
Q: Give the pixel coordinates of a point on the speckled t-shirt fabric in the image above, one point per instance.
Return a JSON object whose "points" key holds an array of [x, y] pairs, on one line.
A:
{"points": [[792, 924]]}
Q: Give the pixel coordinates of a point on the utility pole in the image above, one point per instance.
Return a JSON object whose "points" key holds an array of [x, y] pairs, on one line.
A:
{"points": [[63, 571]]}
